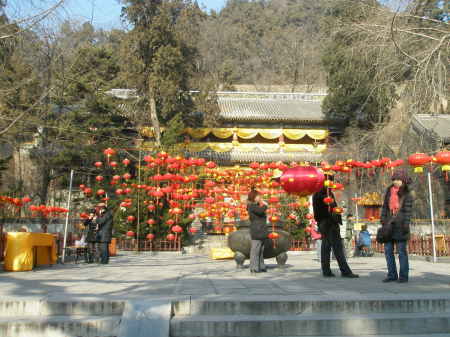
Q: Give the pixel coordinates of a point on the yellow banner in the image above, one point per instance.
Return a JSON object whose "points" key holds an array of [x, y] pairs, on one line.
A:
{"points": [[269, 147], [222, 132], [221, 147], [247, 133], [271, 133]]}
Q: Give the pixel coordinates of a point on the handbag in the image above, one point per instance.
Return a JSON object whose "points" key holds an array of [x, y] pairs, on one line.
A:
{"points": [[384, 233]]}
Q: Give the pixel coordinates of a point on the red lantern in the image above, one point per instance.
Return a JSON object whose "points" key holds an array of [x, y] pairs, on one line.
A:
{"points": [[191, 216], [254, 166], [100, 192], [418, 160], [171, 237], [98, 164], [87, 191], [26, 200], [82, 187], [150, 236], [274, 218], [193, 230], [309, 216], [177, 229], [443, 158], [170, 222], [151, 222], [131, 218], [328, 200], [113, 164], [338, 210], [126, 162], [273, 235], [130, 234], [127, 176], [99, 178], [302, 180], [109, 152], [210, 164], [292, 216]]}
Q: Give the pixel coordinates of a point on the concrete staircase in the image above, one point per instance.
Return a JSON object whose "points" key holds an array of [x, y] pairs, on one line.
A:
{"points": [[60, 318], [389, 317]]}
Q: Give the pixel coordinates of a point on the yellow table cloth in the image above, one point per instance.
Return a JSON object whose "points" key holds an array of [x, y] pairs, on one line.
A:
{"points": [[23, 248], [221, 253]]}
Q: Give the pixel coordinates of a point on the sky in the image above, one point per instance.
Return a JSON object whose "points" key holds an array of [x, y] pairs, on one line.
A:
{"points": [[104, 13]]}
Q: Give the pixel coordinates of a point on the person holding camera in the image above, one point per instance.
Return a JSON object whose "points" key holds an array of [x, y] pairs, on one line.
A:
{"points": [[257, 209], [104, 221]]}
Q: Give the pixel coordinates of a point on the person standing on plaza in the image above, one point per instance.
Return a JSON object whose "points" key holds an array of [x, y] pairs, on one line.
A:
{"points": [[257, 209], [313, 231], [91, 236], [329, 223], [396, 214], [104, 234]]}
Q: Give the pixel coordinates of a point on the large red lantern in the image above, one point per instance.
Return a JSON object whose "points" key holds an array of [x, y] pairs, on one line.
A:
{"points": [[98, 164], [151, 222], [130, 234], [418, 160], [131, 218], [150, 236], [99, 178], [302, 180], [171, 237]]}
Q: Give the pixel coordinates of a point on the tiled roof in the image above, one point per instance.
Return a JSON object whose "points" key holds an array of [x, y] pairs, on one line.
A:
{"points": [[434, 126], [263, 109], [236, 157]]}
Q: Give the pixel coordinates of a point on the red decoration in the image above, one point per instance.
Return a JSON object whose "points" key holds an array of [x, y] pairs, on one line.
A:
{"points": [[113, 164], [273, 235], [150, 236], [177, 229], [130, 234], [171, 237], [100, 192], [127, 176], [328, 200], [131, 218], [98, 164], [126, 162], [193, 230], [309, 216], [109, 152], [418, 160], [151, 222], [99, 178], [302, 180]]}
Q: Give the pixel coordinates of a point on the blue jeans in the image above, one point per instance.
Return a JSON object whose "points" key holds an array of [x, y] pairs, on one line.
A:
{"points": [[402, 257]]}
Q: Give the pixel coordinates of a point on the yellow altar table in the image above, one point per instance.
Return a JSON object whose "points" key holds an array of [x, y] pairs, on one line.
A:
{"points": [[26, 250]]}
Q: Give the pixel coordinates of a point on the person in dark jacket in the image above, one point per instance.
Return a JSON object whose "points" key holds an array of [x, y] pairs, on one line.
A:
{"points": [[396, 211], [91, 236], [104, 222], [258, 231], [329, 223]]}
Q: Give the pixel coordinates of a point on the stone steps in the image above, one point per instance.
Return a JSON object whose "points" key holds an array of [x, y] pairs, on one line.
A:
{"points": [[10, 308], [392, 316], [297, 307], [309, 325], [60, 326], [62, 318]]}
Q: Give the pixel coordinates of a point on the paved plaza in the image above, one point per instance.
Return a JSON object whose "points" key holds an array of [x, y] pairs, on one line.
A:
{"points": [[170, 275]]}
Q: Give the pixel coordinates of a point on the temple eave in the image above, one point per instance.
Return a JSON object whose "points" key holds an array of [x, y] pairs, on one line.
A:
{"points": [[238, 157]]}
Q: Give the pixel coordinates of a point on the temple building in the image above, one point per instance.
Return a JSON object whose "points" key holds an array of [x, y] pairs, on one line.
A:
{"points": [[264, 127], [261, 127]]}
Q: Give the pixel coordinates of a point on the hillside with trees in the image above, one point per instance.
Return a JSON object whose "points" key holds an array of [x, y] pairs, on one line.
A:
{"points": [[379, 65]]}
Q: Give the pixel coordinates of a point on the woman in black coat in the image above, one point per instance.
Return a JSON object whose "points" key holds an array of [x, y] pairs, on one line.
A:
{"points": [[396, 212], [258, 231], [91, 236]]}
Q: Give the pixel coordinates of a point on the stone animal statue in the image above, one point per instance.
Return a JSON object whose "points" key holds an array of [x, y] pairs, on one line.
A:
{"points": [[240, 243]]}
